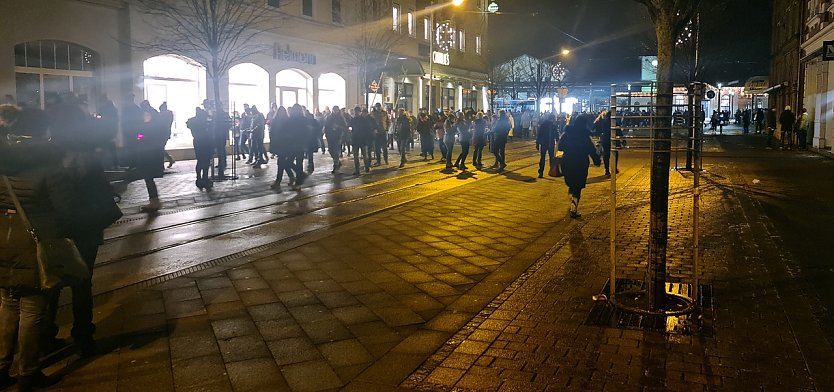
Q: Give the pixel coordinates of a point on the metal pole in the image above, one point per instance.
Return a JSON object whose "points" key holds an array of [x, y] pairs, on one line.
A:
{"points": [[613, 234], [431, 56], [696, 200]]}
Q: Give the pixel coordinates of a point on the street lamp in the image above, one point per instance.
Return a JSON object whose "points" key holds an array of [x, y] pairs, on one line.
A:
{"points": [[432, 37]]}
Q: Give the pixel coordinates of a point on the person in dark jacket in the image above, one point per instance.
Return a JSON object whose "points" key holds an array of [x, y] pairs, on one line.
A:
{"points": [[279, 146], [296, 139], [33, 170], [546, 141], [258, 154], [464, 131], [166, 121], [314, 131], [602, 126], [362, 136], [480, 126], [500, 130], [203, 141], [424, 129], [335, 127], [402, 131], [150, 153], [786, 120], [577, 146]]}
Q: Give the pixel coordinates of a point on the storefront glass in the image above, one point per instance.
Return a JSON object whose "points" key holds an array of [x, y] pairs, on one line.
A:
{"points": [[179, 81], [293, 86], [332, 91]]}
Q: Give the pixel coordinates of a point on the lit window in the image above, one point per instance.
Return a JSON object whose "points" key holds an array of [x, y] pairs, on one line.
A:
{"points": [[462, 40], [411, 30], [426, 29], [478, 44], [307, 8], [395, 14]]}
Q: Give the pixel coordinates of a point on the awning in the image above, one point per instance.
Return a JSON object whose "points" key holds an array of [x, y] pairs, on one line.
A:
{"points": [[401, 67]]}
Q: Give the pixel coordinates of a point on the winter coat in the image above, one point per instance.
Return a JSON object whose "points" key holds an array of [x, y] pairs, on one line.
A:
{"points": [[48, 196], [787, 119], [464, 132], [150, 148], [362, 132], [403, 128], [547, 134], [335, 126], [479, 138], [577, 145]]}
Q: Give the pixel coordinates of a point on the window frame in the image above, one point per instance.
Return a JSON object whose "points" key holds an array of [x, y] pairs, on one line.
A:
{"points": [[336, 11], [410, 25], [305, 3], [396, 14], [478, 44]]}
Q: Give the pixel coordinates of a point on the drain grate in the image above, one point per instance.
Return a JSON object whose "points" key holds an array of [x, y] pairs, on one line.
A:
{"points": [[698, 323]]}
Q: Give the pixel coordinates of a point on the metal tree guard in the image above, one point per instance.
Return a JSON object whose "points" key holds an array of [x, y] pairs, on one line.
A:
{"points": [[629, 114]]}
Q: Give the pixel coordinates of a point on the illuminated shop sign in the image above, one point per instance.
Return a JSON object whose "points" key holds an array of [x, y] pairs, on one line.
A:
{"points": [[440, 57], [289, 55]]}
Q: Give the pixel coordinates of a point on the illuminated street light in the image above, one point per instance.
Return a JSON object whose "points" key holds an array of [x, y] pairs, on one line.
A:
{"points": [[565, 52], [457, 2]]}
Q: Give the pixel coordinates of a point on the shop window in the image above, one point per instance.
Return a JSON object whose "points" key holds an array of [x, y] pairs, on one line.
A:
{"points": [[478, 44], [273, 3], [426, 29], [336, 11], [47, 69], [293, 86], [447, 99], [405, 95], [461, 40], [332, 91], [181, 82]]}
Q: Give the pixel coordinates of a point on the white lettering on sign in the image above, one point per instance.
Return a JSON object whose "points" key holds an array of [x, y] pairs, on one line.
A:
{"points": [[440, 58], [285, 54]]}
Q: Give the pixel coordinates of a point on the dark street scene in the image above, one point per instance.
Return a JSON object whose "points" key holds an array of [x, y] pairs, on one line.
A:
{"points": [[416, 195]]}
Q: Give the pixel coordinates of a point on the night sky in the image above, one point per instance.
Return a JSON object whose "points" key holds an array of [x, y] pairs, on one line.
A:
{"points": [[735, 37]]}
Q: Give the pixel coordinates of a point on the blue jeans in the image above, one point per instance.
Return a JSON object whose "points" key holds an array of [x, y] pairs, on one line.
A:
{"points": [[21, 315]]}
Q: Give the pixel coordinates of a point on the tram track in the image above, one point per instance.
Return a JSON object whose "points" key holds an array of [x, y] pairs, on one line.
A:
{"points": [[117, 249]]}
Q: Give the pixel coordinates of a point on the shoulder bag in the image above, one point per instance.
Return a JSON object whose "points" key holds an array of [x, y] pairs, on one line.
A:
{"points": [[58, 261]]}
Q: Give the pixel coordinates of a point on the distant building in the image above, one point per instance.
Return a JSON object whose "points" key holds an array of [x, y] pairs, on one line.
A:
{"points": [[816, 74], [784, 54]]}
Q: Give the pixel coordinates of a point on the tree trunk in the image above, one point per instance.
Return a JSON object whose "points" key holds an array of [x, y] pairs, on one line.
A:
{"points": [[659, 199]]}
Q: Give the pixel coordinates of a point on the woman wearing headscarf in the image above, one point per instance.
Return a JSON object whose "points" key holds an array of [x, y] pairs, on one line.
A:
{"points": [[577, 146]]}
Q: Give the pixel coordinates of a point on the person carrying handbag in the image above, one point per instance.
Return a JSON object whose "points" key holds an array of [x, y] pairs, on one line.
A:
{"points": [[31, 177]]}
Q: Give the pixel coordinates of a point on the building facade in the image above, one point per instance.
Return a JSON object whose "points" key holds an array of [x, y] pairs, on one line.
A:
{"points": [[816, 74], [307, 56]]}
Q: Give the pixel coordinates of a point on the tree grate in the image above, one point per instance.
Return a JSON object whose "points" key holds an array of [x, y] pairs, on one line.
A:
{"points": [[699, 323]]}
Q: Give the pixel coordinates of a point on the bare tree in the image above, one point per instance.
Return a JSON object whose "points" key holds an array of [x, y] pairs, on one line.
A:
{"points": [[669, 17], [542, 76], [371, 40], [216, 33]]}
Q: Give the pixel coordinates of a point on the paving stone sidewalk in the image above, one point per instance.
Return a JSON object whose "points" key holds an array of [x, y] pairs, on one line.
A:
{"points": [[534, 337], [372, 298]]}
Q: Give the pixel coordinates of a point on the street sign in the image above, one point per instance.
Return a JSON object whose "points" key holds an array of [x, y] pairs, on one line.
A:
{"points": [[492, 7], [827, 50], [710, 94]]}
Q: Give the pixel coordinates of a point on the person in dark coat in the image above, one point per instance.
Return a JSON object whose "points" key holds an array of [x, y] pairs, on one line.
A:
{"points": [[335, 127], [786, 120], [577, 147], [166, 121], [546, 141], [602, 126], [296, 139], [424, 129], [279, 146], [402, 131], [464, 131], [362, 136], [150, 153], [500, 131], [480, 126], [33, 169], [203, 141], [258, 154]]}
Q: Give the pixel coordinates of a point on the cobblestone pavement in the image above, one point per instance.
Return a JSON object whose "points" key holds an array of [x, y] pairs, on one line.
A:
{"points": [[534, 336], [483, 287]]}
